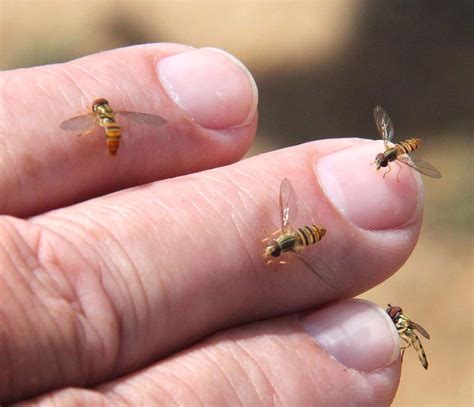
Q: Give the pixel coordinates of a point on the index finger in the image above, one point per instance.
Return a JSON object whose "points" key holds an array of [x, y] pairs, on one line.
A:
{"points": [[208, 98]]}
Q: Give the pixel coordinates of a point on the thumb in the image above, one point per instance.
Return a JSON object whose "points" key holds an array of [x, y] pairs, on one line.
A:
{"points": [[344, 354]]}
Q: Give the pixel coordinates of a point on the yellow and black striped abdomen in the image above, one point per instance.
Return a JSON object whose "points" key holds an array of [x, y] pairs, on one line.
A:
{"points": [[407, 146], [415, 341], [308, 235], [113, 133]]}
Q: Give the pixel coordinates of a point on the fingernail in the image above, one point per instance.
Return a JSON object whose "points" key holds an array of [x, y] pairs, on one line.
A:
{"points": [[357, 333], [214, 88], [361, 193]]}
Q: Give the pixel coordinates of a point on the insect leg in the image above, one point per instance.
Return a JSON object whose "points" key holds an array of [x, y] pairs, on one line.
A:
{"points": [[406, 338], [386, 172], [402, 353], [86, 132], [271, 261], [408, 341], [399, 169], [402, 348], [276, 232]]}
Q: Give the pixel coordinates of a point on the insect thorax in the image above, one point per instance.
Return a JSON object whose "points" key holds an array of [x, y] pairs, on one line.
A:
{"points": [[286, 242], [402, 321], [391, 153], [106, 113], [104, 110]]}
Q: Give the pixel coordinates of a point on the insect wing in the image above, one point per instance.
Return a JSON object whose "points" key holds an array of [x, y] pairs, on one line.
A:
{"points": [[79, 123], [424, 167], [146, 118], [288, 206], [317, 273], [420, 329], [384, 125]]}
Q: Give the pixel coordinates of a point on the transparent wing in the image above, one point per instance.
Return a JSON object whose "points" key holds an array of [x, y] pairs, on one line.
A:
{"points": [[324, 278], [288, 204], [146, 118], [420, 329], [422, 166], [79, 123], [384, 125]]}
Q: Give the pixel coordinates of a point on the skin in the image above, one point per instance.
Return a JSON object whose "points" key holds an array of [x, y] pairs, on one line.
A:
{"points": [[159, 292]]}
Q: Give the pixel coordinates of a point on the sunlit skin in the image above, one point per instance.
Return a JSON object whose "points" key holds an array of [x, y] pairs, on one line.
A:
{"points": [[103, 294], [397, 153]]}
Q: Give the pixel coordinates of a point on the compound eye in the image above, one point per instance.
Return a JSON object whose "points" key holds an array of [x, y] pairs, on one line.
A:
{"points": [[276, 251], [99, 102], [394, 312]]}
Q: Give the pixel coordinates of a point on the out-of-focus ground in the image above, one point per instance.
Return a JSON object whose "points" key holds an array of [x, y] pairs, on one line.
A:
{"points": [[321, 67]]}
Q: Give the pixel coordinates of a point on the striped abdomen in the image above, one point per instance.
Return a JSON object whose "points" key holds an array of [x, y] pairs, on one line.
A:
{"points": [[113, 134], [407, 146], [296, 239], [415, 341], [421, 352], [308, 235]]}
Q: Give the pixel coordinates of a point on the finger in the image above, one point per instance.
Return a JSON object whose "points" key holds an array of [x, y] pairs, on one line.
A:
{"points": [[345, 354], [148, 271], [208, 98]]}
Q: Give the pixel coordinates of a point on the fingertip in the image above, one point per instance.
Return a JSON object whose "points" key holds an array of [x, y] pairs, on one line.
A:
{"points": [[212, 123], [357, 333], [363, 195], [212, 87]]}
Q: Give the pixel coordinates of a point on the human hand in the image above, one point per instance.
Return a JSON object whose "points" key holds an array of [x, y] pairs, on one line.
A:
{"points": [[159, 293]]}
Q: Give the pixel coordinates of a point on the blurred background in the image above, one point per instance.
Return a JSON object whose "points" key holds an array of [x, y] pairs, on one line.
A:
{"points": [[321, 67]]}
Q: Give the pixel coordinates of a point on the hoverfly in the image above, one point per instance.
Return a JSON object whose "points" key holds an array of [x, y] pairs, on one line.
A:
{"points": [[288, 239], [398, 152], [101, 114], [406, 328]]}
